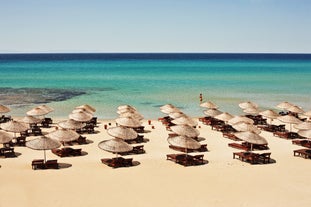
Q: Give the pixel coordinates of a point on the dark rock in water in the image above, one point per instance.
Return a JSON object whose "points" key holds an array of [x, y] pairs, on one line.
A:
{"points": [[21, 96]]}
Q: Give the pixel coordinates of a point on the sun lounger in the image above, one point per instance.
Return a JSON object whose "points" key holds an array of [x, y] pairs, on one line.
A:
{"points": [[136, 150], [67, 152], [186, 159], [7, 152], [250, 157], [38, 164], [303, 142], [51, 164], [118, 162], [239, 146], [305, 153]]}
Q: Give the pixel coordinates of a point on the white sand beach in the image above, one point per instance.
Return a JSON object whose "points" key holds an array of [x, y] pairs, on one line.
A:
{"points": [[155, 181]]}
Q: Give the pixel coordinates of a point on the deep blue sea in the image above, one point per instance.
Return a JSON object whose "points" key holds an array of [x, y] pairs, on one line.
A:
{"points": [[148, 81]]}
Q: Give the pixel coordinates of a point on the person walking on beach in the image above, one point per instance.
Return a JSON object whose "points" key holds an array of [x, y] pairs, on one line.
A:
{"points": [[201, 98]]}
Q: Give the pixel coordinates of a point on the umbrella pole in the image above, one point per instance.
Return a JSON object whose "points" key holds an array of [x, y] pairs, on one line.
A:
{"points": [[44, 156]]}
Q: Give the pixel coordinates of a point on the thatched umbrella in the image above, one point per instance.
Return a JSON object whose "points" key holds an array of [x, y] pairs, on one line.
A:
{"points": [[126, 110], [63, 135], [43, 143], [243, 127], [185, 121], [128, 122], [303, 125], [46, 108], [238, 119], [185, 130], [184, 142], [71, 124], [5, 137], [134, 115], [251, 137], [122, 132], [81, 116], [167, 106], [31, 120], [87, 107], [82, 110], [212, 112], [176, 115], [37, 111], [209, 105], [14, 126], [284, 105], [251, 110], [269, 114], [170, 110], [308, 114], [296, 109], [224, 117], [305, 133], [126, 107], [115, 145], [289, 119], [247, 104], [4, 109]]}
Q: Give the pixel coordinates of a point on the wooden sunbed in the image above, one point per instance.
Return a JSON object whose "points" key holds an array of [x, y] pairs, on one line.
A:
{"points": [[203, 148], [186, 159], [139, 149], [117, 162], [67, 152], [49, 164], [304, 153], [253, 158], [7, 152]]}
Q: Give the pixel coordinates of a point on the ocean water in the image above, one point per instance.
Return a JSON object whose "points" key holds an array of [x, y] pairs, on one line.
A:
{"points": [[148, 81]]}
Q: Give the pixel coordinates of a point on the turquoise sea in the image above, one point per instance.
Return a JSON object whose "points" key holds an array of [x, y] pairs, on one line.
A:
{"points": [[148, 81]]}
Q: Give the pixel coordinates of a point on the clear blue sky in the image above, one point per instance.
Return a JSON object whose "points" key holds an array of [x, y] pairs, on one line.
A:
{"points": [[155, 26]]}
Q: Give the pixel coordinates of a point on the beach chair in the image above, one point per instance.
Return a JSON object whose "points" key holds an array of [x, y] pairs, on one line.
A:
{"points": [[37, 164], [264, 157], [304, 153], [51, 164]]}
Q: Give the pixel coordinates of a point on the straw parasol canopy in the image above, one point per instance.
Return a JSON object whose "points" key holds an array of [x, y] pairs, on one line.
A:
{"points": [[251, 137], [4, 109], [185, 130], [5, 137], [289, 119], [251, 110], [305, 133], [122, 132], [296, 109], [166, 106], [14, 126], [243, 127], [176, 115], [82, 110], [81, 116], [284, 105], [43, 143], [247, 104], [212, 112], [46, 108], [115, 146], [126, 107], [238, 119], [184, 142], [185, 121], [209, 105], [269, 114], [224, 117], [71, 124], [87, 107], [128, 122], [170, 110], [37, 111], [303, 125], [125, 110], [308, 114], [134, 115], [31, 120], [64, 135]]}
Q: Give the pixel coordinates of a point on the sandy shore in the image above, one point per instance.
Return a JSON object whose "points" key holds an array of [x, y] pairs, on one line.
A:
{"points": [[223, 181]]}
